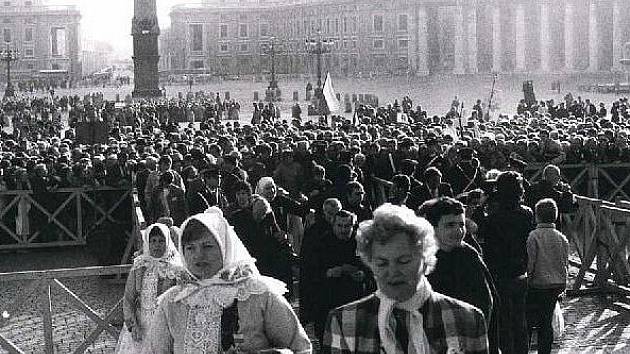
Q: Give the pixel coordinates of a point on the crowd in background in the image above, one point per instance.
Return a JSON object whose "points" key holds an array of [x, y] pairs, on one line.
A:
{"points": [[295, 191]]}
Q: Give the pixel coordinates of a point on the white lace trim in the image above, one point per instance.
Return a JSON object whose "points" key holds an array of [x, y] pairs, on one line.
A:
{"points": [[205, 308], [162, 268]]}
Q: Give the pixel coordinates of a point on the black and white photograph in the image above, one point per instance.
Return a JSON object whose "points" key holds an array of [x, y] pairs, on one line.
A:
{"points": [[314, 176]]}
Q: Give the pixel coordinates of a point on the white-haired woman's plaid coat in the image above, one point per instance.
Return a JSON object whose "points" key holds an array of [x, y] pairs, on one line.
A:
{"points": [[451, 326]]}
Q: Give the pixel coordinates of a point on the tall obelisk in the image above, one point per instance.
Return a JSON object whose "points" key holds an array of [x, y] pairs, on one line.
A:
{"points": [[145, 32]]}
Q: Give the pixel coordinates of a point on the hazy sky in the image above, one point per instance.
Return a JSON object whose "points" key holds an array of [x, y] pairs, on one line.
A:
{"points": [[110, 21]]}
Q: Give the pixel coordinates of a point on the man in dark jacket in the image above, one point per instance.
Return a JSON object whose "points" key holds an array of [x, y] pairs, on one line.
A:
{"points": [[433, 187]]}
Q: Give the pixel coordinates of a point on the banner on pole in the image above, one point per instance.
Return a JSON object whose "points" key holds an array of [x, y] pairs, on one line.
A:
{"points": [[329, 95]]}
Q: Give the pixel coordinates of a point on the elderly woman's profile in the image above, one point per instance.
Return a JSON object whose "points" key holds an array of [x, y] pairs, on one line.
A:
{"points": [[404, 315]]}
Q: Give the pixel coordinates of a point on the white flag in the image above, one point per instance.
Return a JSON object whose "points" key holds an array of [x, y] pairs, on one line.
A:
{"points": [[329, 95]]}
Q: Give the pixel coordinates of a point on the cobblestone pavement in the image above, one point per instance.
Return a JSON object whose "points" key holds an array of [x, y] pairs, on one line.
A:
{"points": [[594, 324]]}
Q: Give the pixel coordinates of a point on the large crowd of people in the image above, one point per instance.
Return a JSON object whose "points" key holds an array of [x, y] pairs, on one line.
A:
{"points": [[296, 194]]}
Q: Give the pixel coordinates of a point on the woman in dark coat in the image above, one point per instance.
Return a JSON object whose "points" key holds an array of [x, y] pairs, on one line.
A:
{"points": [[266, 242], [505, 251]]}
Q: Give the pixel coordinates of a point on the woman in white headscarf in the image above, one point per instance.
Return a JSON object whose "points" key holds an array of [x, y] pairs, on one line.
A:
{"points": [[229, 306], [157, 269]]}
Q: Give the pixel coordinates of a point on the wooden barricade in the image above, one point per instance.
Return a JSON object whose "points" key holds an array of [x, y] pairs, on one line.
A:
{"points": [[601, 234], [601, 181], [37, 288], [65, 217]]}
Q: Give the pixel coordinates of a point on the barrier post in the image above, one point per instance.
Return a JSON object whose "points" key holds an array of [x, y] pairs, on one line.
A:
{"points": [[593, 176]]}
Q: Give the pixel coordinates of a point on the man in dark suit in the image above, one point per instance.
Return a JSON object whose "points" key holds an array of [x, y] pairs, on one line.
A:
{"points": [[433, 187]]}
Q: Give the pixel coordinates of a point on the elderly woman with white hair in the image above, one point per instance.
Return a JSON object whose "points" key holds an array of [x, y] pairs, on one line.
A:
{"points": [[229, 307], [404, 315]]}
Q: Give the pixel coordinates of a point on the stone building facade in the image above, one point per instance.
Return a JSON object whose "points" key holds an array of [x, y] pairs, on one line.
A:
{"points": [[47, 38], [417, 37]]}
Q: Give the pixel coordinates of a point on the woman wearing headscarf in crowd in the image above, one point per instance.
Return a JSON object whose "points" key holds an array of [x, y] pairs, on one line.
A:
{"points": [[505, 252], [157, 269], [229, 306], [267, 242]]}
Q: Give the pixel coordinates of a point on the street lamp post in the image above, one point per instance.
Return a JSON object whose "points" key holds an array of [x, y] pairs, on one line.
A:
{"points": [[319, 47], [273, 92], [271, 51], [9, 56]]}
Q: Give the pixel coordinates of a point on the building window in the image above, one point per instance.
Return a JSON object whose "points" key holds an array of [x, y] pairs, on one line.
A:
{"points": [[30, 66], [403, 43], [196, 64], [336, 25], [223, 31], [243, 47], [378, 23], [354, 24], [58, 41], [402, 22], [196, 37], [327, 25], [28, 3], [55, 67], [354, 43], [223, 47], [6, 34], [378, 44], [29, 53], [242, 32], [345, 25], [7, 3], [28, 34], [264, 29]]}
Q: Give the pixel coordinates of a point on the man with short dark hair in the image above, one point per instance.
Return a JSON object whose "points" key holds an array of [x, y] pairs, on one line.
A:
{"points": [[399, 192], [460, 272], [433, 187], [333, 271], [355, 194]]}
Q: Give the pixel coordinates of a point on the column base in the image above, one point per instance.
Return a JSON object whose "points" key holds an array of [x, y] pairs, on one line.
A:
{"points": [[146, 93]]}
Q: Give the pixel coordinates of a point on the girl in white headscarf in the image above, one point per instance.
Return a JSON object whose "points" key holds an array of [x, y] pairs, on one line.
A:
{"points": [[157, 269], [229, 306]]}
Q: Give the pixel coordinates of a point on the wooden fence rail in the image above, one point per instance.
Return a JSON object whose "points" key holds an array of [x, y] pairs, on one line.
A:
{"points": [[608, 182], [599, 231], [65, 217], [38, 286]]}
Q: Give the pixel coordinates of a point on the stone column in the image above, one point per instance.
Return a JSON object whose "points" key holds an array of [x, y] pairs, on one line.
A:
{"points": [[520, 37], [569, 55], [472, 40], [497, 53], [618, 42], [145, 32], [545, 38], [422, 53], [593, 43], [459, 40]]}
